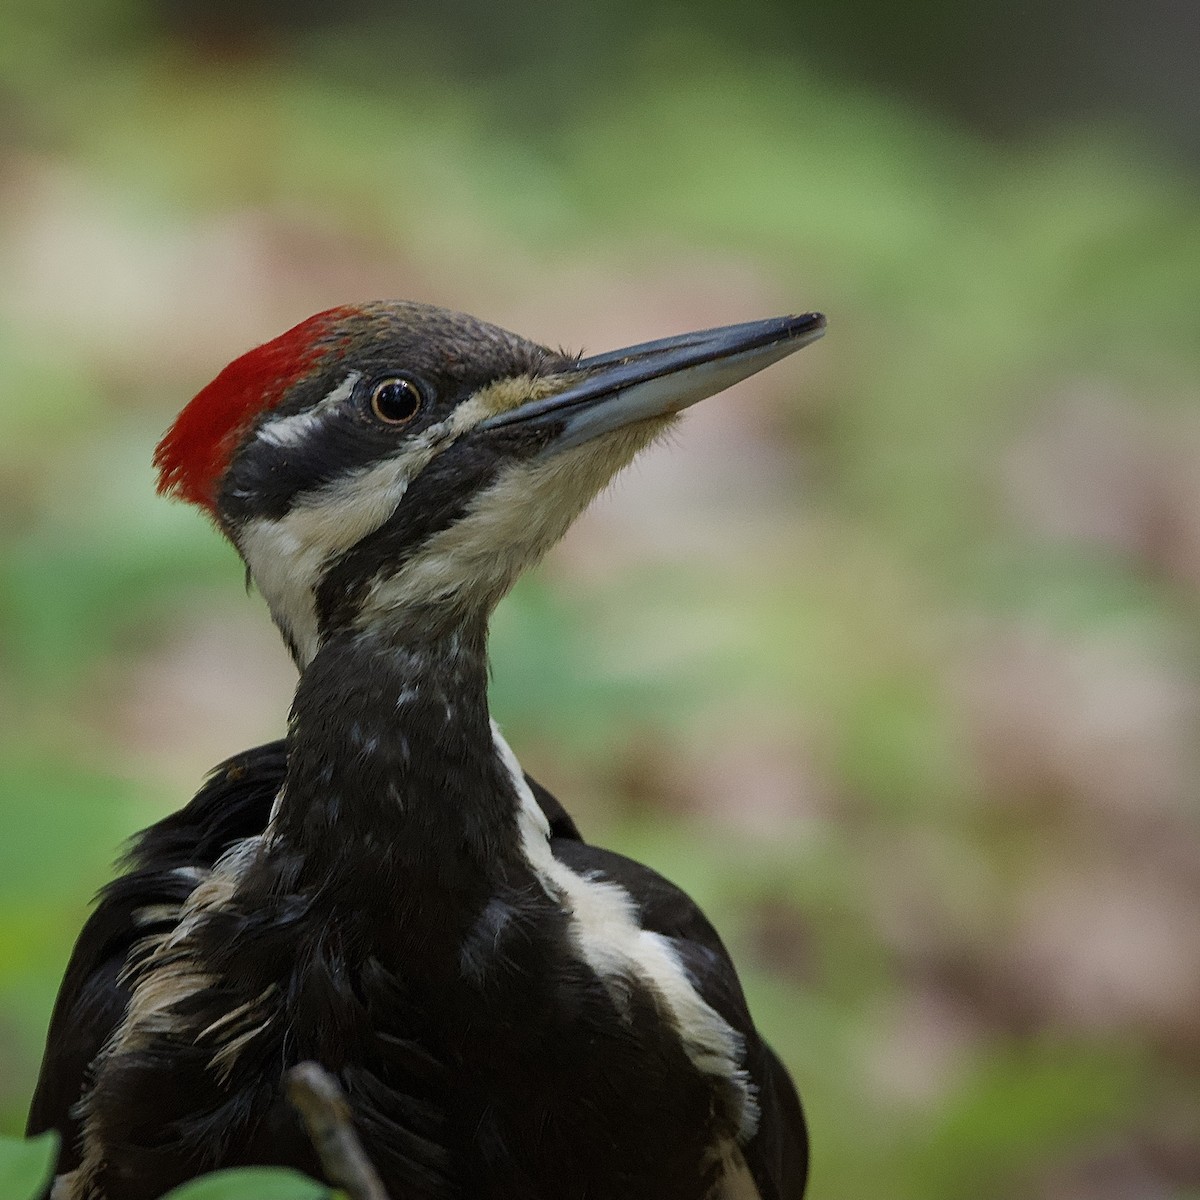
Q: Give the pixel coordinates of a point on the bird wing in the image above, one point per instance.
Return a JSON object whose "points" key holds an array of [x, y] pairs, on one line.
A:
{"points": [[164, 864], [168, 859], [561, 823], [777, 1154]]}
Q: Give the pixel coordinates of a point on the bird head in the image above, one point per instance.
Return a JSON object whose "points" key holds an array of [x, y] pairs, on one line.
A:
{"points": [[396, 466]]}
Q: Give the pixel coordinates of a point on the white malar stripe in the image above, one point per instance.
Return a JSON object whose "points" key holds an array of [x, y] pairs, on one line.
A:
{"points": [[287, 556], [296, 428], [617, 948], [507, 527]]}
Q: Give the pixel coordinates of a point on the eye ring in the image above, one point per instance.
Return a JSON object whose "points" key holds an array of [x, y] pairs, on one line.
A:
{"points": [[396, 400]]}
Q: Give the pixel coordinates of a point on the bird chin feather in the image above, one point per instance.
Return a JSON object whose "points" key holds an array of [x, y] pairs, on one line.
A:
{"points": [[466, 569]]}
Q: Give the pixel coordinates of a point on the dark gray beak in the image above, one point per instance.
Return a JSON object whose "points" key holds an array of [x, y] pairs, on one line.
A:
{"points": [[661, 377]]}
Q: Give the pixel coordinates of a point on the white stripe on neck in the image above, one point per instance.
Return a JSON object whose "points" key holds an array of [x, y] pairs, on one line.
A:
{"points": [[610, 940]]}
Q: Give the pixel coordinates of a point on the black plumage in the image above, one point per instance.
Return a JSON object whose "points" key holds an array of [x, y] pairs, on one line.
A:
{"points": [[235, 804], [513, 1014]]}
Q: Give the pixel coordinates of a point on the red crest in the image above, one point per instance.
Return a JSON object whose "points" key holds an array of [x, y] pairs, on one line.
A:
{"points": [[195, 452]]}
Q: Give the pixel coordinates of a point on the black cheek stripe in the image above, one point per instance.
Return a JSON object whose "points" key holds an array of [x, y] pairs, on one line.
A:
{"points": [[438, 497]]}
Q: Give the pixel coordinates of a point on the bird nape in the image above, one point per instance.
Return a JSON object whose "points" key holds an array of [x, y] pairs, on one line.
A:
{"points": [[512, 1013]]}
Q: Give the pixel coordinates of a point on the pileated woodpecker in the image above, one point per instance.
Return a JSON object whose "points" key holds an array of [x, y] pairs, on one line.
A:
{"points": [[512, 1013]]}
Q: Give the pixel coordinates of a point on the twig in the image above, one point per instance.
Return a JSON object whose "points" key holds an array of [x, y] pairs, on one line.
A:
{"points": [[322, 1106]]}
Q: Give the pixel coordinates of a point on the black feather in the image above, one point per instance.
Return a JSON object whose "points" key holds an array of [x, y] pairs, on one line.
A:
{"points": [[234, 803], [411, 1104]]}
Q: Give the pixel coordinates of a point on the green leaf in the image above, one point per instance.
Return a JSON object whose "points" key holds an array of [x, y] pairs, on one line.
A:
{"points": [[25, 1167], [252, 1183]]}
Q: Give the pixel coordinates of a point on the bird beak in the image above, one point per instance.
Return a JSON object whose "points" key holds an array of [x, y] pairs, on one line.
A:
{"points": [[658, 378]]}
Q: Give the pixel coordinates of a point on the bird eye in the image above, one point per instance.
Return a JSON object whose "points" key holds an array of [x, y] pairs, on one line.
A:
{"points": [[395, 401]]}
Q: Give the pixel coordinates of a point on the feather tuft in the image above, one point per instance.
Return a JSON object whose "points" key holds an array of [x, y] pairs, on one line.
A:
{"points": [[195, 452]]}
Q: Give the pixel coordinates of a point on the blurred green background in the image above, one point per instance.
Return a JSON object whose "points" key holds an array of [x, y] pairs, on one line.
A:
{"points": [[892, 658]]}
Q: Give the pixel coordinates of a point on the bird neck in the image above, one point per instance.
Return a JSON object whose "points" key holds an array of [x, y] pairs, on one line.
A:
{"points": [[394, 776]]}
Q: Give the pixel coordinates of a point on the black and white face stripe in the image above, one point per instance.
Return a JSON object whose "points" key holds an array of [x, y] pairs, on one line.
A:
{"points": [[443, 525], [294, 429], [447, 485], [324, 506], [498, 530], [324, 426], [350, 521], [311, 497], [292, 458]]}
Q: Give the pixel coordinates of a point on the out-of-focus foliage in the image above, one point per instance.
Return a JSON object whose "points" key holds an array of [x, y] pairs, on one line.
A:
{"points": [[253, 1183], [25, 1166], [891, 658]]}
